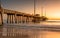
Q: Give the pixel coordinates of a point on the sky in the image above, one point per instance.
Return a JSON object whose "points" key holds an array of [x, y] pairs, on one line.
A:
{"points": [[49, 8]]}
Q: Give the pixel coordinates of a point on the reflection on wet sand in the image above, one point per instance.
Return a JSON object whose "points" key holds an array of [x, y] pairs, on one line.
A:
{"points": [[31, 33]]}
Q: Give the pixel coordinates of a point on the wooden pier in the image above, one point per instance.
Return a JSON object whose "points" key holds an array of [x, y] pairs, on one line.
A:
{"points": [[15, 17]]}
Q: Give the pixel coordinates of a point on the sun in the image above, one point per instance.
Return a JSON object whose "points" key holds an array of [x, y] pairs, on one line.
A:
{"points": [[54, 15]]}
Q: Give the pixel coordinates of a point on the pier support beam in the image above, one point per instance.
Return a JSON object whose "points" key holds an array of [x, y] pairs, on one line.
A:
{"points": [[4, 20], [0, 18]]}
